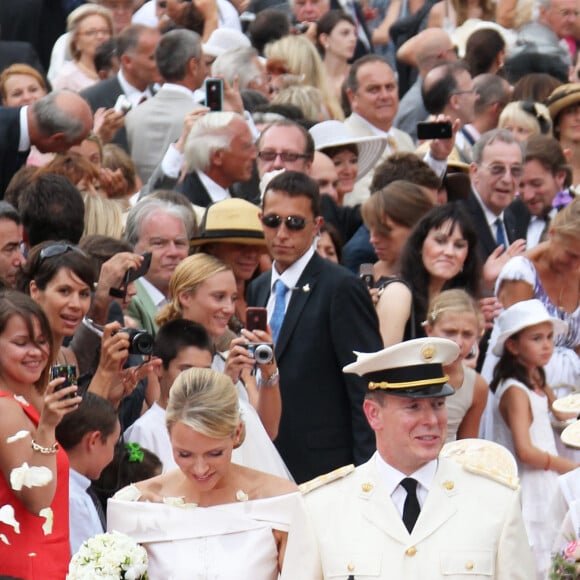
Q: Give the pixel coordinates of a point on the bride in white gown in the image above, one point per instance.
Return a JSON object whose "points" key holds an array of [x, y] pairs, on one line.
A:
{"points": [[211, 518]]}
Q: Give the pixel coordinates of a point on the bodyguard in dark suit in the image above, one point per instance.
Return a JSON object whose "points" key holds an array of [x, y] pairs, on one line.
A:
{"points": [[325, 315], [53, 124]]}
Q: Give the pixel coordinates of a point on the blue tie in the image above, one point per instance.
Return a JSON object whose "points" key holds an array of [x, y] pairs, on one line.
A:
{"points": [[280, 290], [499, 235]]}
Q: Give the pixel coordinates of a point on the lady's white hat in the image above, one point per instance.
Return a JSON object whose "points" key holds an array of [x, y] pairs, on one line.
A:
{"points": [[521, 315], [335, 134]]}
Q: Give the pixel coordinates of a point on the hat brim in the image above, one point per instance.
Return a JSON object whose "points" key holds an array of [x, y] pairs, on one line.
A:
{"points": [[560, 327], [560, 103], [428, 392], [249, 239], [370, 150]]}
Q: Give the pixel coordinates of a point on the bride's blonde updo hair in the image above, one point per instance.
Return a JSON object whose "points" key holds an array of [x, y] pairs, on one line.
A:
{"points": [[187, 277], [206, 401]]}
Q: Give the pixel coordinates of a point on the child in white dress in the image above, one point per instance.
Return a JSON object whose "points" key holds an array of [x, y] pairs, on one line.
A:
{"points": [[521, 419]]}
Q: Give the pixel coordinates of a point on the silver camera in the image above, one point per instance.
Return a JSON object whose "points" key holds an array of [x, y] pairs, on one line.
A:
{"points": [[261, 352]]}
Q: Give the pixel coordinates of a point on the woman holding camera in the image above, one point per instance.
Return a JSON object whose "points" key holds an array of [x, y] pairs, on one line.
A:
{"points": [[212, 518], [203, 289], [59, 277]]}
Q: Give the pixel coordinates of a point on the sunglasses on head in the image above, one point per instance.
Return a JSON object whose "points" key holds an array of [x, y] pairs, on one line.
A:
{"points": [[58, 250], [292, 222]]}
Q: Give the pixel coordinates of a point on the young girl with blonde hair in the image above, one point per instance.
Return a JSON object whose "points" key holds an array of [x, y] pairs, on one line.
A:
{"points": [[454, 314]]}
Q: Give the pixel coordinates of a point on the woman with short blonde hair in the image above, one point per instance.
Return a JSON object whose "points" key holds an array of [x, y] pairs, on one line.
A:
{"points": [[89, 26]]}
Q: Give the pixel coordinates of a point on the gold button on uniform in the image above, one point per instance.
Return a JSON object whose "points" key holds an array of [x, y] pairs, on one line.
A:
{"points": [[449, 485], [411, 551], [469, 565], [366, 487], [350, 567]]}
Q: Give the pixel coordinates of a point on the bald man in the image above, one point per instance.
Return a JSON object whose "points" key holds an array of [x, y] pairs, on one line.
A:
{"points": [[426, 50], [53, 124]]}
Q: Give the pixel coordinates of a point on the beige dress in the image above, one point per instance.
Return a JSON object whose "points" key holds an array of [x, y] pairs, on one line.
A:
{"points": [[459, 403]]}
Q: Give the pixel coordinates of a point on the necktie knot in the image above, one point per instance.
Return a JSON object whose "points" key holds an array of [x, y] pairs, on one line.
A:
{"points": [[280, 289], [409, 484]]}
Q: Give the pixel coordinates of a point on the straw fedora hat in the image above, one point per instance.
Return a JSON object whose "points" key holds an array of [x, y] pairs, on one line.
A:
{"points": [[563, 97], [232, 220], [335, 134], [521, 315]]}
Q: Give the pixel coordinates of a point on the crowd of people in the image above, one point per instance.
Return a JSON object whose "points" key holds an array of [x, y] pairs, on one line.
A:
{"points": [[322, 322]]}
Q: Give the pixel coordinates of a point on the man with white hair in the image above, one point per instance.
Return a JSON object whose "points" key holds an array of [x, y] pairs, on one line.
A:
{"points": [[219, 152], [245, 64], [546, 35]]}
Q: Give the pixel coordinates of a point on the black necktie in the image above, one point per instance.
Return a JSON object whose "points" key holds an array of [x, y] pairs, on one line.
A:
{"points": [[544, 234], [98, 506], [411, 508]]}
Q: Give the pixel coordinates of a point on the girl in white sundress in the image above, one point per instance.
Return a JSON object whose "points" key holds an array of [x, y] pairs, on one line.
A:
{"points": [[521, 419]]}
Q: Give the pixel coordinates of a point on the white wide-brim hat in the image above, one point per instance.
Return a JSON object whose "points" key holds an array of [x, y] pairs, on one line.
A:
{"points": [[335, 134], [224, 39], [521, 315]]}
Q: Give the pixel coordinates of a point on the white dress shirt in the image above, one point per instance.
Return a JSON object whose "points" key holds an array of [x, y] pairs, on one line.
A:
{"points": [[84, 520], [392, 479], [290, 278]]}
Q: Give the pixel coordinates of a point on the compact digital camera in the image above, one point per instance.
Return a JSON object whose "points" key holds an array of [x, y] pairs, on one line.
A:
{"points": [[261, 352], [140, 341]]}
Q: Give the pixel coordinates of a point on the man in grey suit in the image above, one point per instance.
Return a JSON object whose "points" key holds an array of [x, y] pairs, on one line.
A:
{"points": [[135, 50], [156, 123]]}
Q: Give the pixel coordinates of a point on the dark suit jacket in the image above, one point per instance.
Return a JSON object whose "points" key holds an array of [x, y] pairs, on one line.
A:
{"points": [[105, 94], [10, 160], [12, 51], [486, 238], [330, 314], [519, 214]]}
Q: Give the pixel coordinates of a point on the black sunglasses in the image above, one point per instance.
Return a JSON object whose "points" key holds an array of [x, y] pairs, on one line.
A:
{"points": [[58, 250], [292, 222]]}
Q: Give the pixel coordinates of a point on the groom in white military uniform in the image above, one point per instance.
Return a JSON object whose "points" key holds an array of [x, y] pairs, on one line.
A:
{"points": [[406, 513]]}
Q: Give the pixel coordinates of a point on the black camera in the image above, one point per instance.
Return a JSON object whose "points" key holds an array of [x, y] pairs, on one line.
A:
{"points": [[140, 341], [261, 352]]}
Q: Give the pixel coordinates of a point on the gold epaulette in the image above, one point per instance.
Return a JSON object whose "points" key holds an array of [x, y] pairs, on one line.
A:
{"points": [[321, 480], [494, 474]]}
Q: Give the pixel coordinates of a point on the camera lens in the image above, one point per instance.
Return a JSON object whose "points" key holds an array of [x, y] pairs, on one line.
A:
{"points": [[263, 354], [142, 343]]}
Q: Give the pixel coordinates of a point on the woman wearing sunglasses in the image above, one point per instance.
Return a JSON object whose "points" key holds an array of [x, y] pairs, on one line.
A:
{"points": [[203, 289], [59, 277]]}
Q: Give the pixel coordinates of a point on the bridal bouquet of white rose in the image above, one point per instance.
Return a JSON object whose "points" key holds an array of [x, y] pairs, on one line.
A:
{"points": [[109, 556]]}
